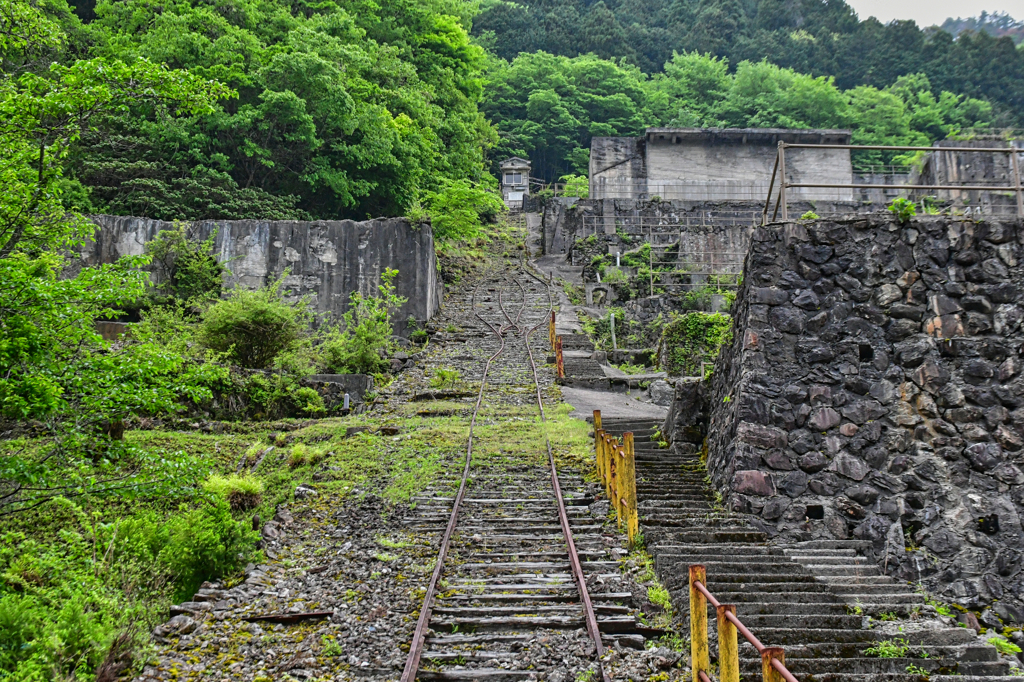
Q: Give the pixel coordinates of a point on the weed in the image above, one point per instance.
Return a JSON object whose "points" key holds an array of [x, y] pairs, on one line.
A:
{"points": [[393, 544], [329, 646], [916, 670], [888, 616], [445, 378], [810, 215], [890, 648], [1003, 646], [384, 556], [904, 209], [659, 596]]}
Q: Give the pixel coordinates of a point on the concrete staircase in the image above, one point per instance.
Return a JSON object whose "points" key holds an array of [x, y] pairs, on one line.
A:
{"points": [[812, 598], [576, 352]]}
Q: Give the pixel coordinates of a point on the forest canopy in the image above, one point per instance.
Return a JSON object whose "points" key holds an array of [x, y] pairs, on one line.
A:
{"points": [[343, 109], [355, 109]]}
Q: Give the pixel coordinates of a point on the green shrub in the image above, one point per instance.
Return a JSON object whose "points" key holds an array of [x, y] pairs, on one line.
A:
{"points": [[187, 267], [810, 215], [616, 276], [364, 340], [281, 394], [203, 544], [576, 186], [903, 209], [253, 326], [241, 492], [459, 209], [691, 339]]}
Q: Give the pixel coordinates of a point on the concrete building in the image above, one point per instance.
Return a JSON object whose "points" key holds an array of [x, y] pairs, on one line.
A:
{"points": [[716, 164], [515, 181]]}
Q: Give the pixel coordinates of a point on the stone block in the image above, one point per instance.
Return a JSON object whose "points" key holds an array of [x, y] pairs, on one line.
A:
{"points": [[761, 436], [823, 419], [753, 482], [849, 466]]}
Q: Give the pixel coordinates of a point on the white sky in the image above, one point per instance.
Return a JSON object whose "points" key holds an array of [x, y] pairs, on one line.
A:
{"points": [[928, 12]]}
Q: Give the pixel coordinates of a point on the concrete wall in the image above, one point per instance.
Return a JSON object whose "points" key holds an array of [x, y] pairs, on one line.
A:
{"points": [[714, 165], [962, 167], [327, 260], [617, 164], [874, 390], [733, 170]]}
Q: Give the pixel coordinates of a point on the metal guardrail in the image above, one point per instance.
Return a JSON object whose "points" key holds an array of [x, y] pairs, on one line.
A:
{"points": [[773, 659], [779, 171], [616, 465]]}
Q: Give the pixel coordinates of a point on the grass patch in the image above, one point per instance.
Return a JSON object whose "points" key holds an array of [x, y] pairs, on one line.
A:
{"points": [[241, 492]]}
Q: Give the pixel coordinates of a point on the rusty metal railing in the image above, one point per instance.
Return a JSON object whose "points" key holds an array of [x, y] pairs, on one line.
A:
{"points": [[773, 659], [779, 171], [616, 465]]}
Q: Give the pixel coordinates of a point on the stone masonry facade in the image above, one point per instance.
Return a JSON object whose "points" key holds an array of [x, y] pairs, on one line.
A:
{"points": [[874, 391]]}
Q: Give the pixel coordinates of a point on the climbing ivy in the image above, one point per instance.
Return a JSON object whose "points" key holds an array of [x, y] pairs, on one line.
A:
{"points": [[692, 338]]}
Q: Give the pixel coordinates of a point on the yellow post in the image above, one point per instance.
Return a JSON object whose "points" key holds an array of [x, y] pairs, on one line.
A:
{"points": [[615, 473], [559, 359], [597, 419], [629, 489], [699, 658], [728, 647], [620, 467], [609, 463], [599, 453], [551, 330], [768, 673]]}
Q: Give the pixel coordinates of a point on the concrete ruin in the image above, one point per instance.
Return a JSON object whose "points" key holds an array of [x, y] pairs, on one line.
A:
{"points": [[326, 260], [874, 390], [716, 164]]}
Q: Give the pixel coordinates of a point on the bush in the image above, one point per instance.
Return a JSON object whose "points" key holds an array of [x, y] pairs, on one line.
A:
{"points": [[364, 341], [65, 601], [575, 186], [251, 327], [691, 339], [281, 394], [204, 544], [241, 492], [187, 268], [459, 208]]}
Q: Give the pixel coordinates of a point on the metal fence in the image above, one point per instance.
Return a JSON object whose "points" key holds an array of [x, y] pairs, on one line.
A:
{"points": [[785, 188], [663, 229]]}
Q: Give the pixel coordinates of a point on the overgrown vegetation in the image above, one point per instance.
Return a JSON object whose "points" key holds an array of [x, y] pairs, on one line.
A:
{"points": [[362, 343], [693, 338], [251, 327]]}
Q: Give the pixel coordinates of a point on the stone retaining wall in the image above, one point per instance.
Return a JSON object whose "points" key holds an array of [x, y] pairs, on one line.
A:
{"points": [[874, 391]]}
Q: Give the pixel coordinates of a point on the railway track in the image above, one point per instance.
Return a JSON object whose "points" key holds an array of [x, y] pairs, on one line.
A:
{"points": [[516, 550]]}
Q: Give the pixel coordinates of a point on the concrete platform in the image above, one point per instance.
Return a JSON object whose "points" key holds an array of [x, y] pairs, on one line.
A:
{"points": [[611, 404]]}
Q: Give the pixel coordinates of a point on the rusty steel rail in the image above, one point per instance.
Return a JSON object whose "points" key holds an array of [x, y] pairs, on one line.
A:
{"points": [[773, 659], [412, 663], [416, 646], [577, 569]]}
